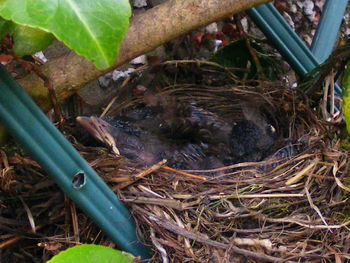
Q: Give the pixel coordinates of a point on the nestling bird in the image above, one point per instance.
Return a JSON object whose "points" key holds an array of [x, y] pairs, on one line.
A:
{"points": [[146, 148], [188, 136]]}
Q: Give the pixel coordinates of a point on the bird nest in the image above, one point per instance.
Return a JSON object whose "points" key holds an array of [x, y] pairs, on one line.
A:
{"points": [[284, 207]]}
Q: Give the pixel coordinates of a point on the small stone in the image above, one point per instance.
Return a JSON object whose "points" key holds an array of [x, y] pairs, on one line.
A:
{"points": [[308, 8], [293, 8], [139, 3], [40, 55], [245, 24], [212, 28], [139, 60], [105, 80], [289, 19], [217, 44], [116, 74]]}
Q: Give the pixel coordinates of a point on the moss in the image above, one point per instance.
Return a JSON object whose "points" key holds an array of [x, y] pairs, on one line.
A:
{"points": [[11, 147], [345, 143]]}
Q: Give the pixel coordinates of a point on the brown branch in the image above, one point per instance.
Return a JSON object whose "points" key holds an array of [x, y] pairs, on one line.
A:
{"points": [[147, 31]]}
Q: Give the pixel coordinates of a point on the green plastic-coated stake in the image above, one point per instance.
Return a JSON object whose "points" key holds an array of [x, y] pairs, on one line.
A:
{"points": [[288, 43], [57, 156], [328, 28]]}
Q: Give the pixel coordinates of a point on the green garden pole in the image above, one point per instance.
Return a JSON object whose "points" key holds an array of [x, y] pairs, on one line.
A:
{"points": [[289, 44], [328, 28], [28, 124]]}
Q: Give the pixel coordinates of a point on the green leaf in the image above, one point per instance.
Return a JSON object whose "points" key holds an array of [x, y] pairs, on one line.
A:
{"points": [[28, 40], [92, 254], [346, 96], [92, 28], [4, 27], [236, 55]]}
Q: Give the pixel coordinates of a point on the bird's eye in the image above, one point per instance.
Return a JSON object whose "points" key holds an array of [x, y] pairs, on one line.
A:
{"points": [[270, 129]]}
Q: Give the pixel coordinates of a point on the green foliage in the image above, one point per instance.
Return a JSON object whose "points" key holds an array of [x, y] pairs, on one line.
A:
{"points": [[345, 144], [28, 40], [92, 28], [346, 96], [236, 55], [4, 25], [89, 253], [313, 80]]}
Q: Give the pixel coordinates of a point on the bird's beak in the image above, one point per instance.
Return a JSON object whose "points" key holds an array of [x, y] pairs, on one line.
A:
{"points": [[100, 129]]}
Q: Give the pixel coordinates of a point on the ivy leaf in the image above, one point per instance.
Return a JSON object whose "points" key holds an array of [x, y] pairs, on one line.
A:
{"points": [[28, 40], [346, 96], [92, 28], [4, 27], [89, 253], [236, 55]]}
